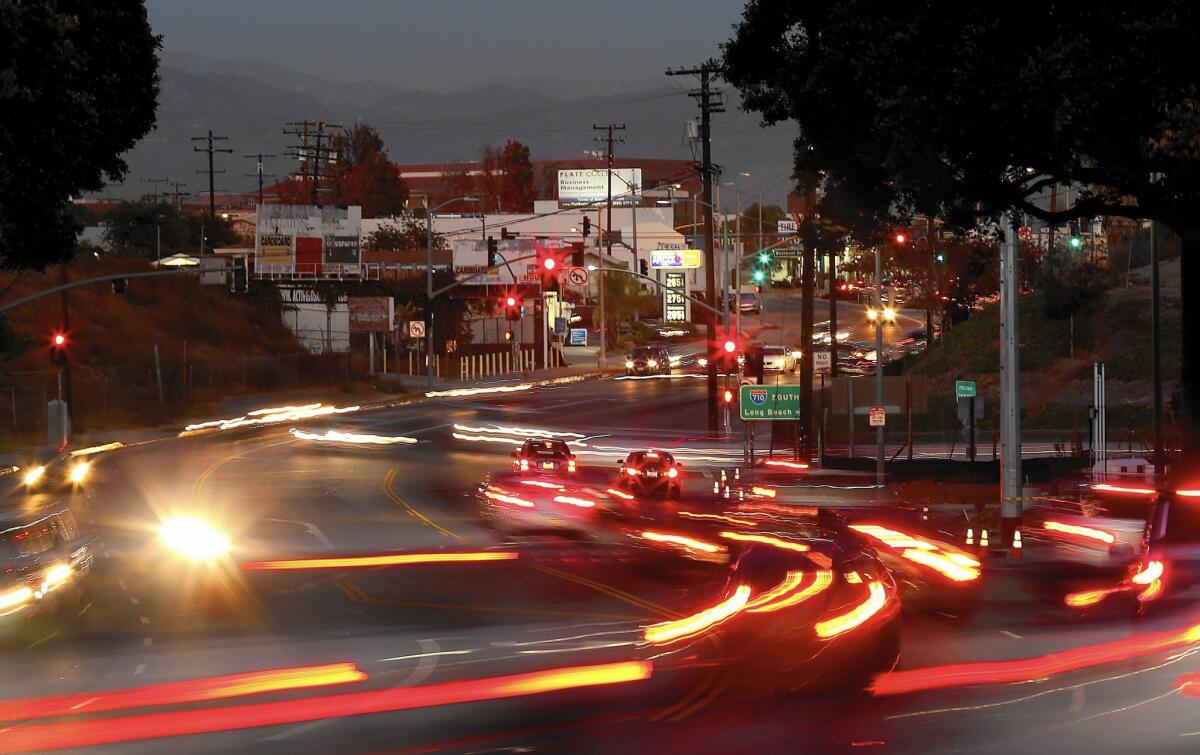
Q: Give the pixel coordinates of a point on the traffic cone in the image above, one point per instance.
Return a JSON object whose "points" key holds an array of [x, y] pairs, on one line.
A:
{"points": [[723, 478], [924, 513], [737, 473], [983, 539], [741, 495], [727, 492], [716, 488], [970, 536], [1017, 547]]}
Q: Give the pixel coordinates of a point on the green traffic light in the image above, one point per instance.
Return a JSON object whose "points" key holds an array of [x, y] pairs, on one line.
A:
{"points": [[1076, 242], [758, 276], [941, 258], [764, 257]]}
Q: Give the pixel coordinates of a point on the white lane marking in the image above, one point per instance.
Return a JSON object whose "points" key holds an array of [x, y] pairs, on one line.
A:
{"points": [[134, 601], [147, 641], [310, 528], [425, 655], [141, 668], [88, 701], [1013, 635], [124, 586], [35, 643], [144, 619], [426, 662]]}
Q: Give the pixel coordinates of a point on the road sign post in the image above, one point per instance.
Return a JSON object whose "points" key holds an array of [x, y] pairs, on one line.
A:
{"points": [[878, 416], [821, 362], [964, 389]]}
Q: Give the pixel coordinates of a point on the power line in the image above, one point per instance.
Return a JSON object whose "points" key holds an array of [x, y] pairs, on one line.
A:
{"points": [[210, 149], [311, 158]]}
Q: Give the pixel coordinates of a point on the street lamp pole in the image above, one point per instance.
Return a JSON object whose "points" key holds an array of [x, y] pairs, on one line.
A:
{"points": [[429, 282], [878, 362]]}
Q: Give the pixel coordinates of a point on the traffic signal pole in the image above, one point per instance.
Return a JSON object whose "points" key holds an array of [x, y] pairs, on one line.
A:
{"points": [[1011, 501]]}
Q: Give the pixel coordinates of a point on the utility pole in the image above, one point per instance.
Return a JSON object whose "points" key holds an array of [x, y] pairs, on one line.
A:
{"points": [[1011, 496], [156, 182], [710, 102], [609, 139], [260, 157], [210, 149], [878, 364], [174, 193]]}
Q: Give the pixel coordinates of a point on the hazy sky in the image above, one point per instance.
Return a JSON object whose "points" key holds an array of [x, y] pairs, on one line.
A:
{"points": [[439, 44]]}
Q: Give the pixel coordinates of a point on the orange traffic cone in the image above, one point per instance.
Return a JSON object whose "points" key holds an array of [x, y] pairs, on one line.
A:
{"points": [[1017, 547], [983, 540], [970, 536]]}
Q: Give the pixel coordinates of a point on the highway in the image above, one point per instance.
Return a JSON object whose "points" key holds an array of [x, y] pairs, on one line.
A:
{"points": [[408, 627]]}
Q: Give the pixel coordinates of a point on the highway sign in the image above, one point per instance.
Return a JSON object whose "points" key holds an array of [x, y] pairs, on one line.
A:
{"points": [[577, 276], [878, 416], [416, 329], [821, 361], [770, 402], [964, 389]]}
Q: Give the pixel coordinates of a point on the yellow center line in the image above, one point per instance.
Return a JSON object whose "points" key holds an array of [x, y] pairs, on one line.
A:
{"points": [[387, 489], [620, 595]]}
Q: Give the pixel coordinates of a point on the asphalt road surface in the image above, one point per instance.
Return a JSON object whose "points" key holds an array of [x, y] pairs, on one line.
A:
{"points": [[155, 620]]}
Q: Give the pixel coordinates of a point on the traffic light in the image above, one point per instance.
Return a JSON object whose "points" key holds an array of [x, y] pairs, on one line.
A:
{"points": [[58, 349], [493, 252], [764, 258], [577, 259], [549, 266], [941, 257], [644, 267], [759, 276], [729, 347], [901, 237], [1074, 240], [512, 307], [587, 226]]}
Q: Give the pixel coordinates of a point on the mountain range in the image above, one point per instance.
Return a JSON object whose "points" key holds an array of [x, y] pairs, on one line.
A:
{"points": [[252, 103]]}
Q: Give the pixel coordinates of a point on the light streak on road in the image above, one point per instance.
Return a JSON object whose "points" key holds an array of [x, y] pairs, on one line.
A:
{"points": [[690, 626], [1037, 668], [855, 617], [672, 376], [174, 693], [786, 594], [394, 559], [785, 464], [944, 559], [272, 416], [1107, 488], [496, 495], [531, 432], [688, 543], [1090, 533], [457, 392], [774, 542], [719, 518], [97, 449], [583, 503], [94, 732], [1085, 598], [361, 439]]}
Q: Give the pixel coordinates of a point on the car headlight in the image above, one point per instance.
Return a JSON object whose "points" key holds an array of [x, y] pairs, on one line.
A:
{"points": [[629, 364], [889, 314], [702, 362], [194, 538], [79, 472], [653, 362], [54, 578], [33, 475]]}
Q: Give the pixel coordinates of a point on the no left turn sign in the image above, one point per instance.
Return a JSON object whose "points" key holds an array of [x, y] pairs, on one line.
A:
{"points": [[577, 276], [416, 329]]}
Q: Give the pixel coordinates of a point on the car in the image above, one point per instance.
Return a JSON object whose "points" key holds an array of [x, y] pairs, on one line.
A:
{"points": [[510, 502], [541, 455], [651, 472], [648, 360], [749, 303], [51, 474], [45, 565], [779, 358]]}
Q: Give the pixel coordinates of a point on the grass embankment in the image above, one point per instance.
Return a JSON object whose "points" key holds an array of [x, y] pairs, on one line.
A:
{"points": [[1056, 358], [230, 344]]}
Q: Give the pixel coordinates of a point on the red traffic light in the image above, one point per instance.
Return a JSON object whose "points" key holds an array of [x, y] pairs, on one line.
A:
{"points": [[730, 347], [59, 339], [728, 396], [549, 263], [901, 238], [510, 301]]}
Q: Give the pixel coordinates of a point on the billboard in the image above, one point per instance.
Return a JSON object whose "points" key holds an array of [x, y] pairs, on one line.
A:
{"points": [[306, 240], [590, 185], [371, 314]]}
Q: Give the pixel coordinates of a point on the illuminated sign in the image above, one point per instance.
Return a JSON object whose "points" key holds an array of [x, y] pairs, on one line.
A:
{"points": [[675, 258], [590, 186], [675, 301]]}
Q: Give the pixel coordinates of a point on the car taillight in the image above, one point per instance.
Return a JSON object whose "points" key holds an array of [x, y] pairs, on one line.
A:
{"points": [[632, 472], [524, 465], [571, 465], [672, 472]]}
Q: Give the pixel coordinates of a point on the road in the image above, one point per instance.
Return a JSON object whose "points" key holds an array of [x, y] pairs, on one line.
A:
{"points": [[414, 626]]}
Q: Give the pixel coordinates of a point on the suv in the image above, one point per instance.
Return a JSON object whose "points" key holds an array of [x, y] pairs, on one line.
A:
{"points": [[648, 360], [544, 455], [749, 302], [45, 562]]}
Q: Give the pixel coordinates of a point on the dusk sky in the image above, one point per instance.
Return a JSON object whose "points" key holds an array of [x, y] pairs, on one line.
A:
{"points": [[451, 43]]}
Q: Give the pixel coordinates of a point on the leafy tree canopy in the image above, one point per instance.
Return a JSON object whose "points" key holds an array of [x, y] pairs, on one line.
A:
{"points": [[136, 228], [966, 109], [78, 88], [363, 174]]}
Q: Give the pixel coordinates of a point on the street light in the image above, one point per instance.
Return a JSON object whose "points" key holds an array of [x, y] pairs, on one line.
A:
{"points": [[429, 281]]}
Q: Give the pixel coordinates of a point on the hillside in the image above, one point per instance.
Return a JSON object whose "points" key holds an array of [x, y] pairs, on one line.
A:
{"points": [[1057, 358], [228, 344]]}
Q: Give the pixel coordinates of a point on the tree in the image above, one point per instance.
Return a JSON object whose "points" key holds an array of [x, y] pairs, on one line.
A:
{"points": [[131, 229], [78, 88], [1101, 94], [363, 174], [409, 234], [506, 182]]}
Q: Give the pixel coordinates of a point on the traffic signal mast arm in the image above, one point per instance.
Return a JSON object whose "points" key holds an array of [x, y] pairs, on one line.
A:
{"points": [[88, 281]]}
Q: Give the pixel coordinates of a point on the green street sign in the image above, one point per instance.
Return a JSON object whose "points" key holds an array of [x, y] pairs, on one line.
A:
{"points": [[964, 389], [770, 402]]}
